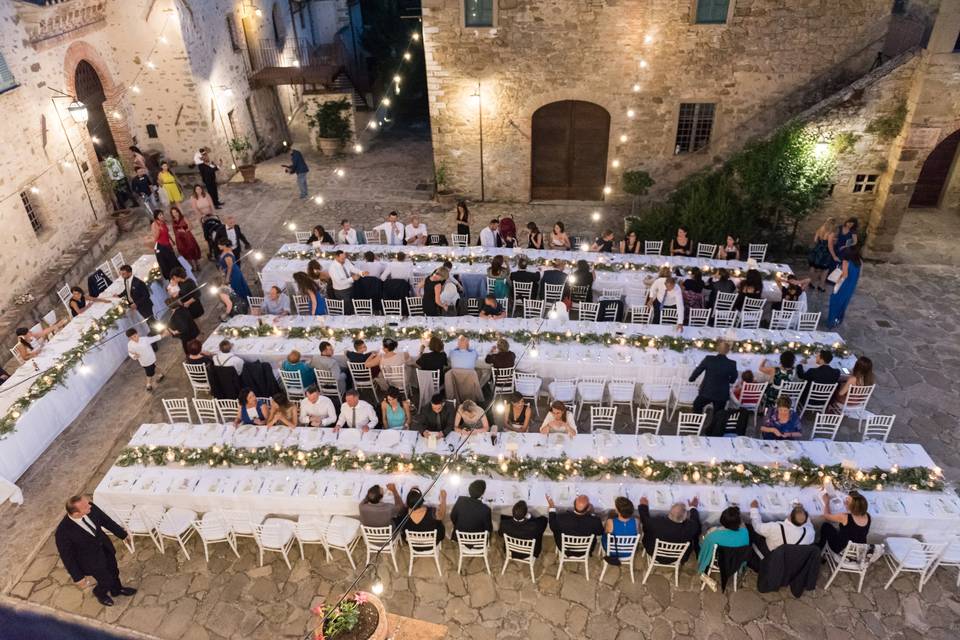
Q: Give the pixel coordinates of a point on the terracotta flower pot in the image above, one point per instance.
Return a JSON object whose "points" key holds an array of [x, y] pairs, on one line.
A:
{"points": [[124, 219], [249, 172], [380, 633], [447, 198], [330, 146]]}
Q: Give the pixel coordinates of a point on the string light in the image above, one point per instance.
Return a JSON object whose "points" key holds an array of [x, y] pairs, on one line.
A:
{"points": [[615, 163], [596, 216], [386, 102], [631, 113], [318, 199], [607, 190], [34, 189], [214, 289], [623, 137], [292, 226], [636, 88], [377, 587], [151, 65], [643, 64], [163, 39], [407, 56], [647, 39], [397, 79], [358, 148], [135, 88], [94, 139], [115, 114], [415, 37], [258, 255]]}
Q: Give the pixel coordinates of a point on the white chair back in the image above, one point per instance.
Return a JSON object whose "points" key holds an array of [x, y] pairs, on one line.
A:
{"points": [[649, 421], [328, 383], [472, 545], [255, 303], [724, 319], [640, 314], [825, 426], [415, 306], [199, 380], [302, 305], [699, 317], [793, 391], [808, 321], [652, 247], [392, 307], [532, 308], [878, 427], [751, 395], [705, 250], [206, 410], [818, 397], [857, 397], [503, 381], [588, 311], [292, 384], [781, 320], [575, 549], [362, 378], [519, 550], [302, 237], [459, 239], [423, 544], [362, 307], [602, 419], [668, 555], [669, 315], [228, 409], [177, 410], [754, 304], [335, 307], [690, 424], [64, 294], [757, 251], [724, 301], [552, 293], [750, 320], [117, 262]]}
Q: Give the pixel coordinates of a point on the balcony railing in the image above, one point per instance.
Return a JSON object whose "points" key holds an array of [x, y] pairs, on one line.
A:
{"points": [[47, 19]]}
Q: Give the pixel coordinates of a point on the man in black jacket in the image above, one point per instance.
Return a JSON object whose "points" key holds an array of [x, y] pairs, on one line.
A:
{"points": [[182, 324], [231, 231], [436, 417], [86, 551], [137, 293], [523, 526], [208, 173], [554, 275], [823, 373], [579, 522], [189, 295], [719, 373], [469, 514], [679, 525]]}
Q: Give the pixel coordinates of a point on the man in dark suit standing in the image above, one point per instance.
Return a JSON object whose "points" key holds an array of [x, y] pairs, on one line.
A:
{"points": [[208, 173], [189, 295], [181, 324], [823, 373], [679, 525], [523, 526], [87, 551], [137, 293], [469, 514], [719, 373], [579, 522], [234, 235]]}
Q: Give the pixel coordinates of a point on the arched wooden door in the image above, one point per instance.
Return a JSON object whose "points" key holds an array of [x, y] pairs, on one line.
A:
{"points": [[935, 171], [90, 93], [569, 151]]}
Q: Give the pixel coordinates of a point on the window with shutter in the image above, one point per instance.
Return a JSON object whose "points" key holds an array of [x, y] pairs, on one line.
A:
{"points": [[712, 11], [694, 126]]}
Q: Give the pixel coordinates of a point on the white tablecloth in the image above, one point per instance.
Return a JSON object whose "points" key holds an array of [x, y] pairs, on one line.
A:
{"points": [[47, 417], [551, 360], [291, 492]]}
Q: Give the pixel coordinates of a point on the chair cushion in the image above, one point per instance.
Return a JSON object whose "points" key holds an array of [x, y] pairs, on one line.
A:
{"points": [[900, 548], [277, 532], [175, 521], [342, 530]]}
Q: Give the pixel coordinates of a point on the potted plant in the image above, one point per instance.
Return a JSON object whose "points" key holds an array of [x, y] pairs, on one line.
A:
{"points": [[361, 617], [112, 184], [637, 183], [444, 195], [242, 150], [332, 125]]}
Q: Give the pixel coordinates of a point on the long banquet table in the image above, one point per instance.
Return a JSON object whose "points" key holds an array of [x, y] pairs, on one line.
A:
{"points": [[47, 417], [290, 492]]}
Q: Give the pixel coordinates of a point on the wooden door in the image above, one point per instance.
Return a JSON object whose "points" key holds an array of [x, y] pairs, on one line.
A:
{"points": [[569, 151], [935, 171]]}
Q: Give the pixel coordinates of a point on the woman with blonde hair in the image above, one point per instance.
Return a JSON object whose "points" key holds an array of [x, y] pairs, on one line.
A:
{"points": [[470, 417], [819, 259]]}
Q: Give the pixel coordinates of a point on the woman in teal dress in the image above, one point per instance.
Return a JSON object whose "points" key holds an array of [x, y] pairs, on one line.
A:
{"points": [[730, 533], [231, 269], [395, 410], [840, 298], [309, 288], [623, 523], [499, 272]]}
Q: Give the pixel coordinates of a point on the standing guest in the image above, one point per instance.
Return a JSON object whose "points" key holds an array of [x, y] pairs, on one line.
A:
{"points": [[861, 376], [853, 524], [730, 249], [463, 219], [85, 549], [621, 523], [778, 375], [433, 305], [356, 413], [346, 235], [342, 276], [227, 359], [499, 272], [208, 173], [819, 258], [169, 183], [395, 410], [162, 248], [143, 186], [182, 325], [234, 235], [559, 238], [534, 236], [730, 533], [823, 373], [200, 202], [78, 301], [721, 284], [421, 518], [392, 230], [491, 309], [374, 512], [489, 237], [435, 359], [604, 244], [846, 286], [630, 243], [669, 297], [416, 232], [470, 417], [295, 362], [275, 303], [679, 525], [198, 156], [500, 356], [398, 269], [231, 269], [579, 522], [782, 423], [681, 245], [310, 289], [137, 293], [522, 275], [719, 373], [253, 410], [318, 275], [843, 237], [516, 418], [141, 350], [196, 354], [469, 514], [522, 526], [326, 361], [463, 356], [435, 418], [187, 292], [316, 410], [282, 411], [139, 160], [373, 267], [767, 536], [298, 166], [559, 420], [319, 234]]}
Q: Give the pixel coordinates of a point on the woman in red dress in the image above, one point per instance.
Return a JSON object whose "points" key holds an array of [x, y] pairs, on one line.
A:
{"points": [[186, 243]]}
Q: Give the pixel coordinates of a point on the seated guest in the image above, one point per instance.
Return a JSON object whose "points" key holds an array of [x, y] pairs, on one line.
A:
{"points": [[319, 234], [374, 512], [416, 232], [679, 525], [778, 375], [693, 295], [767, 536], [554, 275], [275, 303], [373, 267], [389, 357], [630, 243], [681, 245], [499, 272], [356, 413], [730, 533], [745, 290], [398, 269], [604, 244], [523, 276], [782, 423], [534, 236], [622, 522], [491, 309], [721, 284], [579, 522], [463, 357], [489, 237], [227, 359], [516, 418], [196, 354], [730, 249], [419, 517], [823, 373], [233, 304], [559, 420], [326, 361], [78, 301], [792, 290], [521, 525], [508, 232], [500, 356], [854, 523], [346, 235], [395, 410], [559, 238], [252, 409], [433, 304], [746, 377], [470, 417], [361, 355], [437, 417], [435, 359], [282, 411], [316, 410], [670, 297], [469, 514], [861, 375], [295, 362], [30, 343], [582, 276]]}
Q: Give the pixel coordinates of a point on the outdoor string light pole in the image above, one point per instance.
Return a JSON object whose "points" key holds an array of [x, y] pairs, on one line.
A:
{"points": [[78, 111], [479, 98]]}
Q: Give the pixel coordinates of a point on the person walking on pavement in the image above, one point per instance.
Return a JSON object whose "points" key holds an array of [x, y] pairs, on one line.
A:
{"points": [[299, 167]]}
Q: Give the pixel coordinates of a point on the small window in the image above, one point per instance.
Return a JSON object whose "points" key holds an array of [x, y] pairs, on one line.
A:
{"points": [[865, 182], [478, 13], [152, 131], [232, 30], [31, 212], [712, 11], [694, 126], [7, 81]]}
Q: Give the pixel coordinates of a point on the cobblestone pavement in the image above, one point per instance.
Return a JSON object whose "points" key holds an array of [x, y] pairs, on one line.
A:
{"points": [[901, 317]]}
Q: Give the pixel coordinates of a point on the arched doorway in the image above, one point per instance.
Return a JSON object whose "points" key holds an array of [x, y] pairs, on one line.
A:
{"points": [[90, 92], [935, 172], [569, 151]]}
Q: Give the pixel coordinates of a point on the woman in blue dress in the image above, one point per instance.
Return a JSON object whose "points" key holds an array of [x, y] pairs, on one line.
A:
{"points": [[231, 269], [840, 299], [309, 288], [395, 410], [252, 410], [623, 523], [845, 236]]}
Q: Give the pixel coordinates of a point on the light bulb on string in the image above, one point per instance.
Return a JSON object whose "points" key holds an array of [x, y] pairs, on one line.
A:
{"points": [[607, 190], [214, 289], [94, 139], [643, 64], [258, 255], [377, 587], [34, 189], [151, 65], [135, 88], [85, 369], [636, 88], [647, 39], [615, 163], [397, 79], [631, 113], [623, 137], [340, 172], [415, 37], [499, 407], [318, 199], [292, 226], [595, 216], [584, 247], [163, 39], [407, 56], [455, 479], [372, 124], [386, 102], [358, 148]]}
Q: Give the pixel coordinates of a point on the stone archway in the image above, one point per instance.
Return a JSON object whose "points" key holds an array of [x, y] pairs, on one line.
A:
{"points": [[935, 173], [89, 91], [569, 151]]}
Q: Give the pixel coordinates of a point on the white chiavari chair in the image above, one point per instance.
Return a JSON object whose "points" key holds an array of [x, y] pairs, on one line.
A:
{"points": [[362, 307], [459, 239], [751, 397], [521, 292], [377, 538], [649, 421], [669, 315], [574, 549], [855, 558], [227, 408], [587, 311], [177, 524], [792, 390], [699, 317], [724, 319], [659, 393], [640, 314], [177, 410], [750, 320], [757, 251], [603, 419], [552, 293], [590, 390], [825, 426], [292, 384], [255, 303], [392, 307], [878, 427], [668, 555], [652, 247], [622, 391], [302, 237], [302, 305], [724, 301], [117, 262], [690, 424], [277, 535], [519, 550], [625, 548], [415, 306], [705, 250], [532, 308], [214, 528], [206, 410], [855, 403], [808, 321], [423, 544], [529, 384], [334, 307], [472, 545], [909, 555], [683, 394], [818, 398], [781, 320]]}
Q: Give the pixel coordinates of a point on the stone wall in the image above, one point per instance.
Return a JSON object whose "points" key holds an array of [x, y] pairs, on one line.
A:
{"points": [[769, 62]]}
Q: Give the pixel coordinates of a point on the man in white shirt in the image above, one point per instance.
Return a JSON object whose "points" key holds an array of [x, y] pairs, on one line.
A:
{"points": [[140, 349], [767, 536], [356, 413], [316, 410], [400, 269], [670, 296], [391, 230], [372, 266], [227, 359], [275, 303], [346, 235], [416, 232], [489, 234], [342, 275]]}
